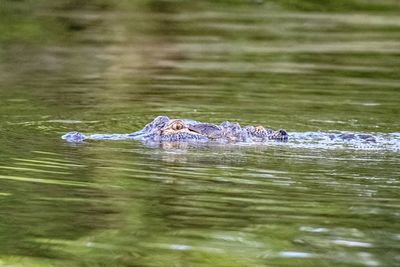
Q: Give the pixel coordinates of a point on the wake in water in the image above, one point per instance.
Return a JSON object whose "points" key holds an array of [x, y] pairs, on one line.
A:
{"points": [[308, 140], [164, 131], [337, 140]]}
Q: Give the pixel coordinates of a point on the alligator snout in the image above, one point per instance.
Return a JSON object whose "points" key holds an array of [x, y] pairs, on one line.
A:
{"points": [[283, 132], [280, 135]]}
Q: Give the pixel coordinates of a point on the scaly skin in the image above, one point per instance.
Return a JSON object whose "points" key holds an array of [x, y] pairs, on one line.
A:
{"points": [[164, 129], [176, 130]]}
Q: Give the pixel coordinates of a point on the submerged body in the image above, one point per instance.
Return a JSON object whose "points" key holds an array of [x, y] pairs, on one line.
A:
{"points": [[164, 129], [179, 133]]}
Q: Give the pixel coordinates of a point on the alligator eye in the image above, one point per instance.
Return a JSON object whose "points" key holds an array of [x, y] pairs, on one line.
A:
{"points": [[177, 126]]}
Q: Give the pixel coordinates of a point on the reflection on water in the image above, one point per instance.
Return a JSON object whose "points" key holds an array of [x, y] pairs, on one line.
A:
{"points": [[100, 66]]}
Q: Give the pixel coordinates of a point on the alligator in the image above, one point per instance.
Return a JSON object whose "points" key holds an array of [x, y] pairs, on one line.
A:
{"points": [[164, 129]]}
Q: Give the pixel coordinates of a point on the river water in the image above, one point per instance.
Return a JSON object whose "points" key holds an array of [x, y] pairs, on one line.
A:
{"points": [[111, 67]]}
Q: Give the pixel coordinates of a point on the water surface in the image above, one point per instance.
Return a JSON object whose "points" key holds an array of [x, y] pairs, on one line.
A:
{"points": [[107, 67]]}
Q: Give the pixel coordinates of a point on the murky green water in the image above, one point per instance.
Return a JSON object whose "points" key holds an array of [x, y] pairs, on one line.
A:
{"points": [[112, 66]]}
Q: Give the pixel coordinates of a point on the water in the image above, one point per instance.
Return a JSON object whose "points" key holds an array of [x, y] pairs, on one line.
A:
{"points": [[108, 67]]}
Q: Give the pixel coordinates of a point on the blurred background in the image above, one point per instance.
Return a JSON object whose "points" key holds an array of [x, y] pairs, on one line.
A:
{"points": [[279, 61], [111, 66]]}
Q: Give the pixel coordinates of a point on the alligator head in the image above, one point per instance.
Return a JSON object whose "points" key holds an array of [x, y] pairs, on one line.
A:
{"points": [[164, 129]]}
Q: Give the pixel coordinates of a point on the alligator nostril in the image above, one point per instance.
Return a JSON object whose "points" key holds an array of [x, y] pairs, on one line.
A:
{"points": [[282, 132]]}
